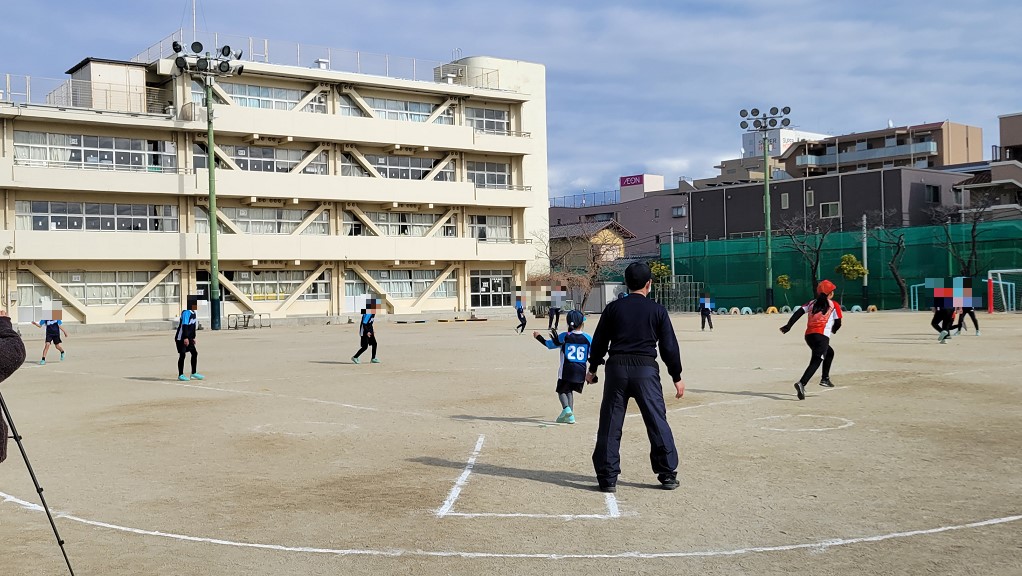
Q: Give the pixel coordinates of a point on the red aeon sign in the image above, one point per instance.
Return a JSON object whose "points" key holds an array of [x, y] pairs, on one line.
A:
{"points": [[631, 180]]}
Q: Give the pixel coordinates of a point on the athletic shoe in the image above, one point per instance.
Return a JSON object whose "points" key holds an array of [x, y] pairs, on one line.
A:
{"points": [[800, 389], [42, 362], [183, 378], [563, 417], [198, 376], [668, 481], [977, 332], [943, 336], [355, 360], [957, 332], [608, 488], [61, 356], [374, 361], [571, 419], [826, 383]]}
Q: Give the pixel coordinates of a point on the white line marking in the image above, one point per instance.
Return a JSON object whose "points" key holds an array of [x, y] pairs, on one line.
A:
{"points": [[819, 546], [612, 509], [845, 423], [532, 516], [462, 480]]}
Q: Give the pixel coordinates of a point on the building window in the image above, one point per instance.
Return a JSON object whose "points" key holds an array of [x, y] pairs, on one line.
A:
{"points": [[412, 283], [492, 228], [679, 211], [489, 174], [809, 198], [487, 120], [410, 167], [354, 227], [110, 288], [268, 98], [957, 193], [41, 215], [784, 201], [347, 107], [656, 212], [266, 159], [410, 224], [93, 152], [408, 111], [933, 194], [490, 288], [277, 285], [265, 220], [830, 210], [351, 167], [861, 167]]}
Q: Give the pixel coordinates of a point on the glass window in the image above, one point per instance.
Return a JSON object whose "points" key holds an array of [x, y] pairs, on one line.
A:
{"points": [[490, 288], [830, 210], [488, 120], [38, 215]]}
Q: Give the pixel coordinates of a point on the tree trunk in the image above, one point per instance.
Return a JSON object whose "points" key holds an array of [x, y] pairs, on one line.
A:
{"points": [[893, 265]]}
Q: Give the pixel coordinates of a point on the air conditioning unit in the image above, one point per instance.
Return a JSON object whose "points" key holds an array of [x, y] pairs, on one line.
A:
{"points": [[450, 73]]}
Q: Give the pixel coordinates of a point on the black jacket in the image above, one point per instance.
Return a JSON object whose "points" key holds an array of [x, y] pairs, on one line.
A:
{"points": [[636, 326]]}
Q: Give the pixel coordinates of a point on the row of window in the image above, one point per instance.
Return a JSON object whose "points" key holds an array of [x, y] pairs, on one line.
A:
{"points": [[265, 220], [100, 152], [276, 285], [251, 96], [402, 283], [416, 225], [41, 215], [99, 288], [408, 111], [263, 158]]}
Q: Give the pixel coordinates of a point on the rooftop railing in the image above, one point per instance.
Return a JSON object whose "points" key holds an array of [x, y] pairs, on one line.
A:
{"points": [[587, 199], [286, 53], [68, 93]]}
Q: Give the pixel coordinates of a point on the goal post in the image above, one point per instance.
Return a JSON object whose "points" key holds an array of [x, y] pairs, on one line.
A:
{"points": [[1003, 290]]}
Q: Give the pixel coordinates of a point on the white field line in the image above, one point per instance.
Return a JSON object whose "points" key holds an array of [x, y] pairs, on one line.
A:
{"points": [[820, 546], [532, 516], [452, 497], [612, 509]]}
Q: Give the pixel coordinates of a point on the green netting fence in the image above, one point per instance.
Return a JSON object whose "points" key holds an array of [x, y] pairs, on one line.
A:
{"points": [[734, 271]]}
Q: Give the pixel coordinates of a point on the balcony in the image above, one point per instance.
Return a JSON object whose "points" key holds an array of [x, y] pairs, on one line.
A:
{"points": [[83, 177], [921, 149]]}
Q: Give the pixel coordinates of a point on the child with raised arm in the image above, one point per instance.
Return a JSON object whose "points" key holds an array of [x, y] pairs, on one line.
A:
{"points": [[54, 328], [571, 375]]}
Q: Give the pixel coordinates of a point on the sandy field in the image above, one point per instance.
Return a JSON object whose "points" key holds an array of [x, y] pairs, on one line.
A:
{"points": [[444, 458]]}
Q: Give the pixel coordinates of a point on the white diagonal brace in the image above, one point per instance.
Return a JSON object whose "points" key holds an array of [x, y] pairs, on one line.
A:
{"points": [[302, 288], [309, 219], [436, 284], [308, 159], [130, 304], [354, 209], [350, 91], [228, 101], [440, 223], [223, 157], [440, 110], [56, 287], [363, 161], [244, 300], [440, 166], [308, 98], [372, 283]]}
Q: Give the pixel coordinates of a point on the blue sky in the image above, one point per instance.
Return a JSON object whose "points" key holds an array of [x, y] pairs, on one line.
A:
{"points": [[633, 87]]}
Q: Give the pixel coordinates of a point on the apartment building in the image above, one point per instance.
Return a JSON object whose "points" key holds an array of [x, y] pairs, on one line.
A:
{"points": [[420, 182], [933, 145]]}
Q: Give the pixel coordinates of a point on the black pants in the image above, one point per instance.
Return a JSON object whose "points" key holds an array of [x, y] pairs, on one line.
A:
{"points": [[629, 378], [961, 319], [822, 353], [706, 318], [554, 314], [367, 341], [181, 351], [942, 319], [521, 319]]}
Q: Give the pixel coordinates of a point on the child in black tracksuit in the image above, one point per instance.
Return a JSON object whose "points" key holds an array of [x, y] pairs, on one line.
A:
{"points": [[520, 311], [706, 313], [571, 376], [184, 339], [367, 333]]}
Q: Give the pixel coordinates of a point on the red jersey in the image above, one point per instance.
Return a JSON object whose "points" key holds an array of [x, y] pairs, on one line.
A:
{"points": [[822, 322]]}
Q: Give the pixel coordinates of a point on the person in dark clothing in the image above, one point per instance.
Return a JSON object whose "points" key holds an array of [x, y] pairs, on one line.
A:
{"points": [[54, 328], [367, 332], [553, 317], [12, 356], [184, 338], [520, 311], [943, 318], [706, 312], [961, 320], [630, 330]]}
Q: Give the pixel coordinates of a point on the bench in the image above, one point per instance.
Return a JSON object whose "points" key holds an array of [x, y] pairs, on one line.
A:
{"points": [[248, 320]]}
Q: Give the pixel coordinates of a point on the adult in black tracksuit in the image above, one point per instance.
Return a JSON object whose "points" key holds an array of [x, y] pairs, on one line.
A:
{"points": [[630, 329]]}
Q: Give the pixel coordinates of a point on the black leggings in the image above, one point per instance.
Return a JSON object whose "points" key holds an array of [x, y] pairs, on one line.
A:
{"points": [[961, 319], [554, 316], [822, 353], [706, 318], [181, 351], [942, 319], [521, 319], [367, 341]]}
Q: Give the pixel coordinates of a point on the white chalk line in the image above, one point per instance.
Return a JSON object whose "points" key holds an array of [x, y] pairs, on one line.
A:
{"points": [[817, 546], [845, 423], [452, 497]]}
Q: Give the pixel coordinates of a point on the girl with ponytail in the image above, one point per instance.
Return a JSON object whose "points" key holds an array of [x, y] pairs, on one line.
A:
{"points": [[824, 320]]}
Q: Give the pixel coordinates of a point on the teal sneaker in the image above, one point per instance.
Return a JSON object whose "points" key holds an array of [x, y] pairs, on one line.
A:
{"points": [[571, 419], [355, 360], [183, 378], [42, 362], [374, 361], [564, 416], [61, 356], [198, 376]]}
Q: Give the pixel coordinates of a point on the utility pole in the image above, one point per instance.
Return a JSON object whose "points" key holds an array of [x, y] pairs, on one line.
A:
{"points": [[672, 254], [865, 277]]}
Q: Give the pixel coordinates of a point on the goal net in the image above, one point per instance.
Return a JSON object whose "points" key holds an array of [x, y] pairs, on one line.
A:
{"points": [[1004, 290]]}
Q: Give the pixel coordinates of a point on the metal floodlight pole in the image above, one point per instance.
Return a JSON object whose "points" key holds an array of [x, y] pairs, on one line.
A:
{"points": [[214, 264]]}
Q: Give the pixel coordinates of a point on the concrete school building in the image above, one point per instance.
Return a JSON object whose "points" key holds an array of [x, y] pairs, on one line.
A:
{"points": [[421, 182]]}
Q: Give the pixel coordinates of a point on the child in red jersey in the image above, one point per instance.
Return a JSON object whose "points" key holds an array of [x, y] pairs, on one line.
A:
{"points": [[824, 320]]}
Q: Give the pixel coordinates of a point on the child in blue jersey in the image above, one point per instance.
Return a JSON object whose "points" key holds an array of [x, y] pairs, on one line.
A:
{"points": [[520, 310], [53, 330], [571, 376], [184, 339], [367, 331]]}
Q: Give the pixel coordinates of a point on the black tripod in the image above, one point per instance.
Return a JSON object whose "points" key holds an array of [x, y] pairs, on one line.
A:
{"points": [[38, 488]]}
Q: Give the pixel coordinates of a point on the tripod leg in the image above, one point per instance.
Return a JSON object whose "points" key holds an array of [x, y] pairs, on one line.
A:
{"points": [[35, 481]]}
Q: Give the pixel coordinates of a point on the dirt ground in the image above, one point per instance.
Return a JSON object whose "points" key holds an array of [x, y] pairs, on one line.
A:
{"points": [[444, 459]]}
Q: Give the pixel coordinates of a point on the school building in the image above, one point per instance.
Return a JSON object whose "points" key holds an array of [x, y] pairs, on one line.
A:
{"points": [[338, 174]]}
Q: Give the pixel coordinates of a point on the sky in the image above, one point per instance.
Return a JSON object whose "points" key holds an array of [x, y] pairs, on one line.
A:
{"points": [[633, 87]]}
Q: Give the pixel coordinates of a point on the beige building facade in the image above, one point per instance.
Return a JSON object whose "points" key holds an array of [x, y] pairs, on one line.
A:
{"points": [[330, 186]]}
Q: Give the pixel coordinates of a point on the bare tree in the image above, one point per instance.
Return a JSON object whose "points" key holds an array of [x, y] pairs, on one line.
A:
{"points": [[807, 235], [893, 238], [582, 257], [964, 253]]}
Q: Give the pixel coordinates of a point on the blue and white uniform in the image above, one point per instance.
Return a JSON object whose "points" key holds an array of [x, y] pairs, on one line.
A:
{"points": [[574, 346]]}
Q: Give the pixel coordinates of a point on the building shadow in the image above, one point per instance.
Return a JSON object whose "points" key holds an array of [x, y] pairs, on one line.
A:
{"points": [[555, 477]]}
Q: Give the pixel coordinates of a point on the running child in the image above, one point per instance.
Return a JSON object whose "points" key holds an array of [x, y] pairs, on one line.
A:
{"points": [[54, 328], [184, 338], [961, 320], [520, 310], [367, 331], [824, 320], [571, 376]]}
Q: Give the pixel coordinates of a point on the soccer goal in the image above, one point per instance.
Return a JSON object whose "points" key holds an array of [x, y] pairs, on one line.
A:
{"points": [[1002, 295]]}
